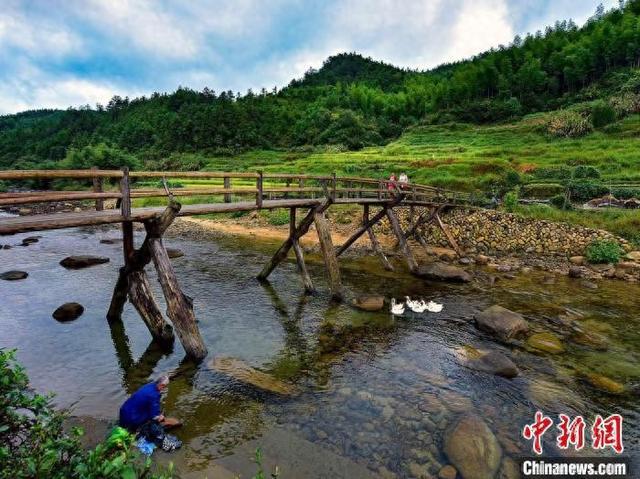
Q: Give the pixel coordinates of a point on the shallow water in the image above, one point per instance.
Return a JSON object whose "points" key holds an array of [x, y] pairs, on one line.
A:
{"points": [[381, 392]]}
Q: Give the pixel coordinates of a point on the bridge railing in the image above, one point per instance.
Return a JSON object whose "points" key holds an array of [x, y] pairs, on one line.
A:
{"points": [[126, 186]]}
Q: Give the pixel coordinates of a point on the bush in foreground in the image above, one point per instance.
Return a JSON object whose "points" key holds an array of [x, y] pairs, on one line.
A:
{"points": [[569, 124], [604, 251], [34, 444]]}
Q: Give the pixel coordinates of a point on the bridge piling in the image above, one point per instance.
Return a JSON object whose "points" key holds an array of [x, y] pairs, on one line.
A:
{"points": [[329, 254], [375, 244], [402, 242], [302, 267]]}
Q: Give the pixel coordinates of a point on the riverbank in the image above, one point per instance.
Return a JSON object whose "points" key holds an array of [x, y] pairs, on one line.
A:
{"points": [[500, 243]]}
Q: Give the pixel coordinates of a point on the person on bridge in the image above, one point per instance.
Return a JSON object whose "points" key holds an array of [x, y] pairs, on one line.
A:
{"points": [[141, 414], [403, 181]]}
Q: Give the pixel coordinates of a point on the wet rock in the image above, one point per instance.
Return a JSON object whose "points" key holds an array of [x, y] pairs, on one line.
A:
{"points": [[369, 303], [110, 241], [509, 469], [464, 261], [241, 371], [590, 339], [473, 448], [482, 260], [588, 284], [456, 402], [30, 240], [68, 312], [174, 253], [492, 362], [444, 272], [418, 471], [604, 383], [577, 260], [502, 323], [546, 342], [14, 275], [554, 396], [447, 472], [575, 272], [82, 261], [7, 246]]}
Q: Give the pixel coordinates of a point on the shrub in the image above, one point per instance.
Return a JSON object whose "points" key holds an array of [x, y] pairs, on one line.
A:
{"points": [[627, 104], [568, 124], [584, 190], [604, 251], [560, 202], [553, 173], [278, 217], [511, 201], [585, 171], [542, 190], [602, 114], [34, 444]]}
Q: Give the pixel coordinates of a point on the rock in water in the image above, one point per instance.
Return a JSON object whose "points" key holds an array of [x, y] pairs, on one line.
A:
{"points": [[82, 261], [447, 472], [68, 312], [604, 383], [575, 272], [13, 275], [444, 272], [547, 342], [493, 362], [174, 253], [369, 303], [472, 448], [503, 323], [241, 371], [30, 240]]}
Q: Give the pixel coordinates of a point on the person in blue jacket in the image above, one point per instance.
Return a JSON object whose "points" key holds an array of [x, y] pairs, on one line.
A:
{"points": [[144, 405], [141, 414]]}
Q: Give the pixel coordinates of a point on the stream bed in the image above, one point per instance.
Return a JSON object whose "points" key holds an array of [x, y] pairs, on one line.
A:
{"points": [[378, 394]]}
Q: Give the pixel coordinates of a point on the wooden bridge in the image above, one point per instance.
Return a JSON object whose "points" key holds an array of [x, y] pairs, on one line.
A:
{"points": [[216, 192]]}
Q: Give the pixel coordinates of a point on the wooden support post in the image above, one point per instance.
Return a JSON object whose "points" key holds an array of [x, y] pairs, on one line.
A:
{"points": [[404, 246], [300, 231], [301, 185], [141, 297], [361, 230], [328, 252], [178, 309], [374, 241], [334, 185], [97, 188], [227, 185], [125, 210], [138, 261], [380, 189], [259, 182], [302, 267], [448, 235]]}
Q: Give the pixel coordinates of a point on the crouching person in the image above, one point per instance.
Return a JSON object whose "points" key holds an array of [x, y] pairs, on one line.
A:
{"points": [[141, 414]]}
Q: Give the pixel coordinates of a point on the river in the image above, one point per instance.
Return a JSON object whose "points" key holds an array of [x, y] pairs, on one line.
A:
{"points": [[375, 399]]}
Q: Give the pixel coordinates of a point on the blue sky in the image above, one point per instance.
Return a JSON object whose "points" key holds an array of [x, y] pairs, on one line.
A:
{"points": [[60, 53]]}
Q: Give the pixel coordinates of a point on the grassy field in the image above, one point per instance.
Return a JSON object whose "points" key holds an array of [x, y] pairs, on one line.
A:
{"points": [[465, 157], [471, 157]]}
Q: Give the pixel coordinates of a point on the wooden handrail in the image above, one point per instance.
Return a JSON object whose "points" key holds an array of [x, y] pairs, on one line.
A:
{"points": [[191, 174], [46, 174]]}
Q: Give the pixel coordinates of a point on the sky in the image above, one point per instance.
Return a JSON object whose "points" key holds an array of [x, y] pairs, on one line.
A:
{"points": [[61, 53]]}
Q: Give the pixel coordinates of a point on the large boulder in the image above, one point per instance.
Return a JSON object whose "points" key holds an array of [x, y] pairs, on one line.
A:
{"points": [[174, 253], [501, 322], [68, 312], [444, 272], [82, 261], [369, 303], [13, 275], [473, 448], [604, 383]]}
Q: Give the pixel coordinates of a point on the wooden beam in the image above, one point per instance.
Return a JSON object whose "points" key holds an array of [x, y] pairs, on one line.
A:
{"points": [[227, 186], [302, 267], [125, 210], [402, 241], [280, 255], [448, 235], [361, 230], [328, 252], [374, 241], [97, 188], [178, 309], [141, 297]]}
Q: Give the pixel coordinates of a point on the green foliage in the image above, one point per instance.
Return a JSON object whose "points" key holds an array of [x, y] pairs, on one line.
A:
{"points": [[261, 474], [584, 190], [560, 201], [568, 124], [278, 217], [101, 155], [604, 251], [602, 114], [542, 190], [511, 201], [586, 172], [34, 444]]}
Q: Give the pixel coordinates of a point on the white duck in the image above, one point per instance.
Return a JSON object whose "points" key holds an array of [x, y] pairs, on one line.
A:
{"points": [[417, 306], [397, 309], [434, 307]]}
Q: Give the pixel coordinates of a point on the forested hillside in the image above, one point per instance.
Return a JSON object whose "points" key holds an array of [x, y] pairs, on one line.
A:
{"points": [[351, 102]]}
